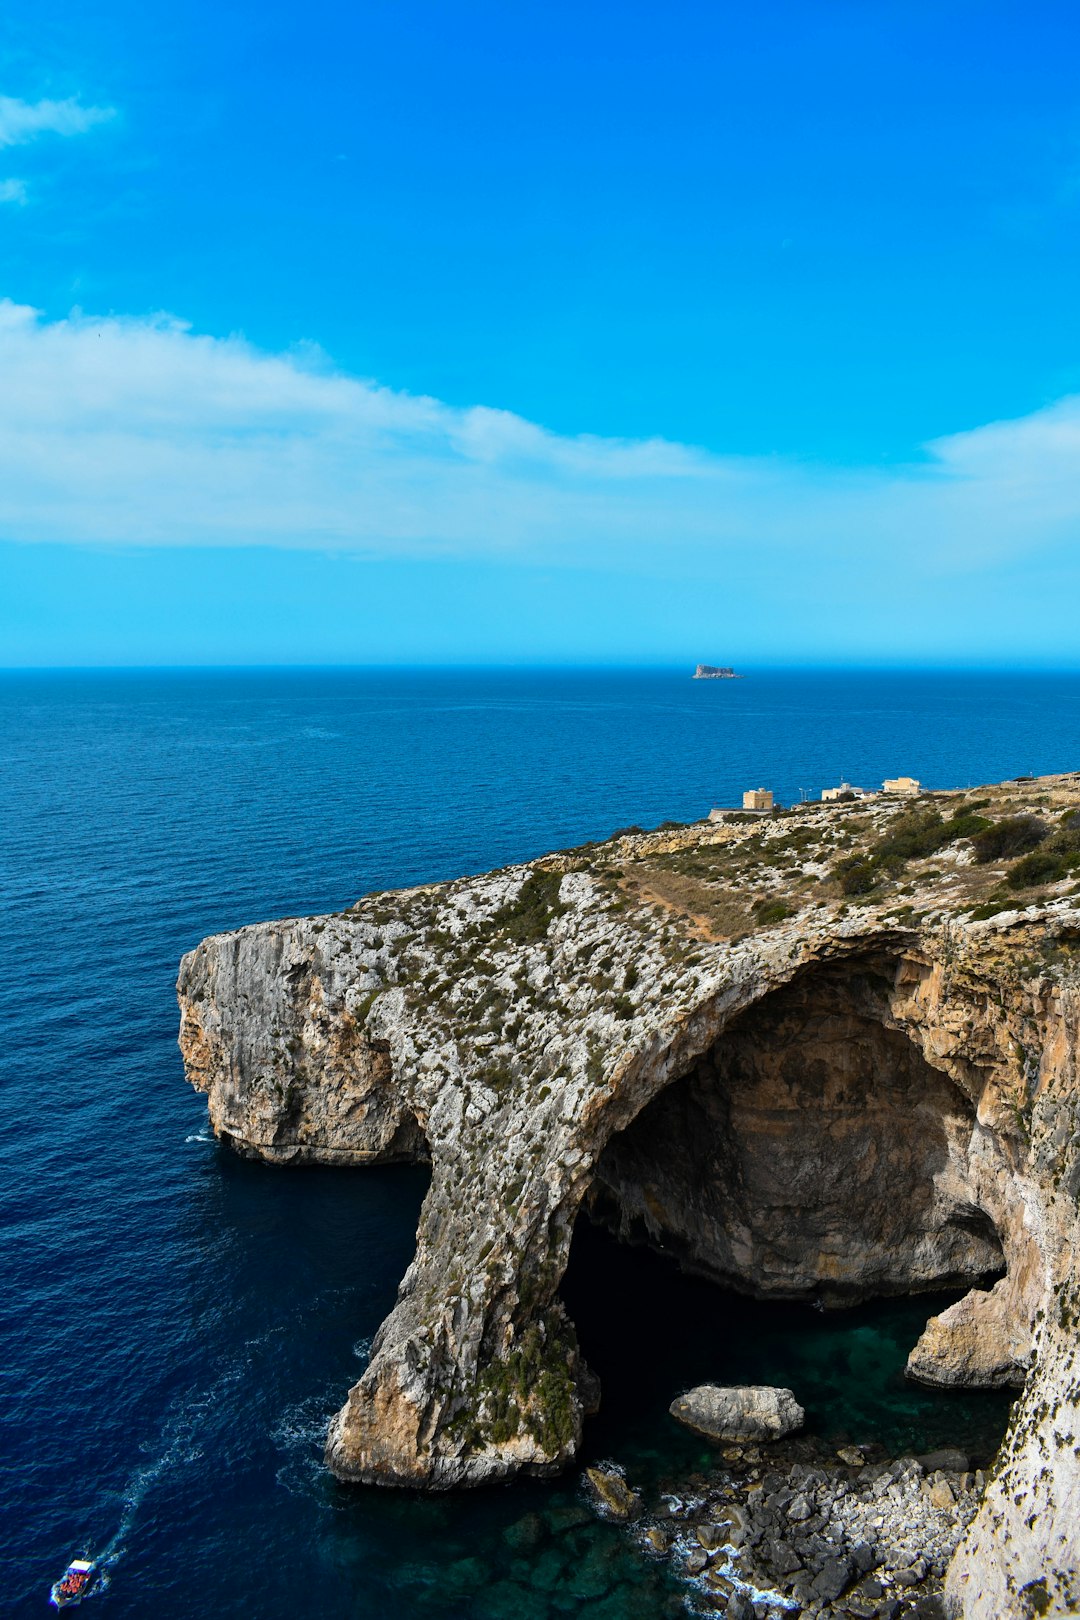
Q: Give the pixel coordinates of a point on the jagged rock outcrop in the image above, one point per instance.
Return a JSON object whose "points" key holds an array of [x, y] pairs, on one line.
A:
{"points": [[978, 1341], [795, 1090]]}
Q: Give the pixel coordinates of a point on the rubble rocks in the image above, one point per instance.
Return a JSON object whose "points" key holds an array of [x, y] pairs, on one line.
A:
{"points": [[800, 1529]]}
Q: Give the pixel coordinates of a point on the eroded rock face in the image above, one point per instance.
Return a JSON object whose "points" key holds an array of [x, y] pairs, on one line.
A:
{"points": [[976, 1342], [739, 1412], [836, 1105], [812, 1151]]}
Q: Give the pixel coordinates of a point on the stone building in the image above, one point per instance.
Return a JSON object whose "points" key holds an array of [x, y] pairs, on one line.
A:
{"points": [[844, 791]]}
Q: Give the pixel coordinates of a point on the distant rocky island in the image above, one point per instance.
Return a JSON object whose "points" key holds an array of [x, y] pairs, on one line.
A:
{"points": [[827, 1054], [716, 672]]}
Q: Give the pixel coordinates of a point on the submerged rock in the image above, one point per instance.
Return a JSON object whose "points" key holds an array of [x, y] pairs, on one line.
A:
{"points": [[613, 1493], [739, 1412], [949, 1458]]}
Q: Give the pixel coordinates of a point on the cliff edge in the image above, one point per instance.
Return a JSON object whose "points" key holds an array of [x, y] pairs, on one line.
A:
{"points": [[827, 1055]]}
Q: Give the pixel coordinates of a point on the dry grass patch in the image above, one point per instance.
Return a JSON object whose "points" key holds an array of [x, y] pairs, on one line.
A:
{"points": [[714, 912]]}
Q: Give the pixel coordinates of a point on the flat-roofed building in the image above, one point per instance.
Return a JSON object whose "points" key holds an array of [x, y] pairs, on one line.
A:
{"points": [[902, 784], [757, 799], [844, 791]]}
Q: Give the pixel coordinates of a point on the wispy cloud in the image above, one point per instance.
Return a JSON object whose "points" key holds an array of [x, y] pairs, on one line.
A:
{"points": [[22, 121], [12, 191], [142, 432]]}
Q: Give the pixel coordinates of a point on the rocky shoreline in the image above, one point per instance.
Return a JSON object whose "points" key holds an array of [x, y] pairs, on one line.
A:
{"points": [[797, 1528]]}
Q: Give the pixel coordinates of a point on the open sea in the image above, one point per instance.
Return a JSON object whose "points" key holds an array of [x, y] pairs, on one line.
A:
{"points": [[177, 1325]]}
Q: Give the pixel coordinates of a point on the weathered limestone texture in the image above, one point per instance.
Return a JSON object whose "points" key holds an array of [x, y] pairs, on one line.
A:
{"points": [[794, 1088], [739, 1411], [976, 1341]]}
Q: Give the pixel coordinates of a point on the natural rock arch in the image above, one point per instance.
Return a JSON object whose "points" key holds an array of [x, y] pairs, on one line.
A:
{"points": [[322, 1038], [481, 1323]]}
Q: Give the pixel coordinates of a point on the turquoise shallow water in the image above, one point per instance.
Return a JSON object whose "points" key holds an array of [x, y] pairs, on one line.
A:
{"points": [[650, 1332], [175, 1325]]}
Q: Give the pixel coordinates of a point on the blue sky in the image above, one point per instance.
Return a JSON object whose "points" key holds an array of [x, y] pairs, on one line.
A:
{"points": [[487, 332]]}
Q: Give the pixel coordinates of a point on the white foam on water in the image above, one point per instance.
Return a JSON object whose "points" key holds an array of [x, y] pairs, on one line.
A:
{"points": [[175, 1448], [699, 1587], [302, 1424], [300, 1433], [199, 1136]]}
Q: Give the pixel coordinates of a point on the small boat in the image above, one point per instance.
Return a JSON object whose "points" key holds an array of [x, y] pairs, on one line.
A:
{"points": [[75, 1583]]}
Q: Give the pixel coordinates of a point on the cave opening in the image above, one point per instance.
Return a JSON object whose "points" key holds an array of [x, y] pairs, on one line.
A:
{"points": [[811, 1159]]}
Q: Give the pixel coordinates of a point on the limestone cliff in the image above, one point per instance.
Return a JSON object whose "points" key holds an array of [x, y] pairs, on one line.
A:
{"points": [[828, 1055]]}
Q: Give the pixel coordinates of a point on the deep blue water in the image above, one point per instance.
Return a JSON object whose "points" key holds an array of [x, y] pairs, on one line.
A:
{"points": [[176, 1325]]}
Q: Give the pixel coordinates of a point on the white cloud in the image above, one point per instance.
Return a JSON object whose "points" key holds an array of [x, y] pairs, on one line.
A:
{"points": [[142, 432], [22, 121], [12, 191]]}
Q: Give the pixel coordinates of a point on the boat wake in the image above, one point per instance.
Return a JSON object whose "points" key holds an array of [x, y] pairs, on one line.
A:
{"points": [[175, 1448]]}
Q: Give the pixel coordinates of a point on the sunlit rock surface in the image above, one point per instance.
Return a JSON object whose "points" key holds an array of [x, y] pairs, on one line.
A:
{"points": [[739, 1412], [800, 1075]]}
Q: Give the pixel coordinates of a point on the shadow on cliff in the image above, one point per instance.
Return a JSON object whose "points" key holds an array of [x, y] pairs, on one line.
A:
{"points": [[811, 1153]]}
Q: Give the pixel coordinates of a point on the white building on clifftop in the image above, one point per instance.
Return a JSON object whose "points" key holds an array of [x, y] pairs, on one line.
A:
{"points": [[844, 791]]}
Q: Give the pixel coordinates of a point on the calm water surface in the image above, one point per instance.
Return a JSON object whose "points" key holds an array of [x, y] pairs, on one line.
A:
{"points": [[176, 1324]]}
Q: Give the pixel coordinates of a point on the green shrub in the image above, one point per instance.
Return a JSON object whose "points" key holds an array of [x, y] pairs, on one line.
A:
{"points": [[965, 824], [1041, 866], [771, 911], [594, 1061], [1016, 835], [497, 1075], [855, 874], [923, 832], [911, 837], [1067, 837], [527, 917]]}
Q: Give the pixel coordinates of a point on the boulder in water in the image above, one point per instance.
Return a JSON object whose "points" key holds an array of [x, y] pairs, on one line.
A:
{"points": [[613, 1494], [739, 1412]]}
